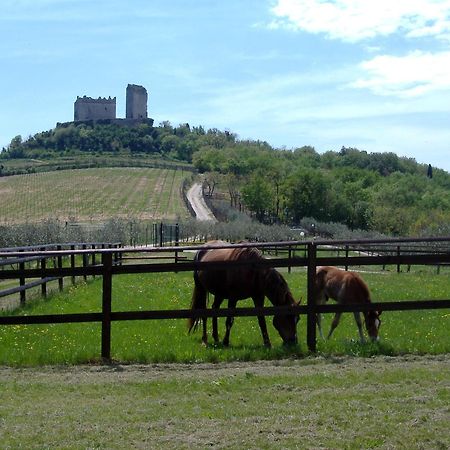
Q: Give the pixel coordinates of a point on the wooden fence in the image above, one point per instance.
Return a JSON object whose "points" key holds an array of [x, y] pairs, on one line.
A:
{"points": [[291, 254], [14, 256]]}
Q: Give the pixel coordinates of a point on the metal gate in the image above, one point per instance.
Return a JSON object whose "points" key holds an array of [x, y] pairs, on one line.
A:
{"points": [[165, 234]]}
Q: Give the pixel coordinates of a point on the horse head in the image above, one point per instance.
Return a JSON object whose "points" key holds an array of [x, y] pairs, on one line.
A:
{"points": [[277, 291], [373, 323]]}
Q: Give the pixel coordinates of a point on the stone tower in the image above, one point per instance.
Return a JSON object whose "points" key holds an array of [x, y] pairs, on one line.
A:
{"points": [[136, 102], [87, 108]]}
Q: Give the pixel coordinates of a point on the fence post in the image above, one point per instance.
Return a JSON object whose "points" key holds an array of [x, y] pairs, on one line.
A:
{"points": [[106, 305], [161, 234], [72, 262], [154, 235], [346, 257], [60, 264], [177, 241], [43, 267], [398, 254], [177, 234], [85, 261], [117, 259], [22, 283], [311, 300], [93, 262], [289, 257]]}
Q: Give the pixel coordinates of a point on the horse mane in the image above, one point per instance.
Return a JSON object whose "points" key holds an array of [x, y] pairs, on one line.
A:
{"points": [[273, 279]]}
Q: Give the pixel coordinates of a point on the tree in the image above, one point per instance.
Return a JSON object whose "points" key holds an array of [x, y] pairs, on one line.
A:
{"points": [[209, 159], [15, 149], [170, 143], [211, 180], [257, 195], [233, 182], [306, 195]]}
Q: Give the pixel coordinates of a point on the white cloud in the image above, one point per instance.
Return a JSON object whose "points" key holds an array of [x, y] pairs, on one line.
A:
{"points": [[356, 20], [412, 75]]}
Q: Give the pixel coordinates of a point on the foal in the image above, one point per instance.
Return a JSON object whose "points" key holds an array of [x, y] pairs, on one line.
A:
{"points": [[346, 288]]}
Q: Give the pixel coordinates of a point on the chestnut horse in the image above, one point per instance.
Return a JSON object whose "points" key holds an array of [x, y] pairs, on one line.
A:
{"points": [[238, 283], [346, 288]]}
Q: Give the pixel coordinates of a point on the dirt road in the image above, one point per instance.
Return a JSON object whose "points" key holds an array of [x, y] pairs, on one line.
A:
{"points": [[195, 197]]}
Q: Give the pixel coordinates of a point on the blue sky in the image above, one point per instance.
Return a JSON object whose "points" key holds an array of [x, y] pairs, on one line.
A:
{"points": [[360, 73]]}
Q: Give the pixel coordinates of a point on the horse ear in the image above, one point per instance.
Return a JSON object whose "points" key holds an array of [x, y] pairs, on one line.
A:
{"points": [[299, 301]]}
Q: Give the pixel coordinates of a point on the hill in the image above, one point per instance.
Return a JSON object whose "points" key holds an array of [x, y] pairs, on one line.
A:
{"points": [[378, 192]]}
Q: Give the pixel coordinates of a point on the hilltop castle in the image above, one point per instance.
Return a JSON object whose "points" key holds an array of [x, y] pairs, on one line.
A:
{"points": [[104, 109]]}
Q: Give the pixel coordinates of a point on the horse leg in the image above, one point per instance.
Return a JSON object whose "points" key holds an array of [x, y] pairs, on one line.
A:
{"points": [[321, 301], [216, 305], [229, 323], [319, 324], [357, 316], [334, 323], [259, 303], [204, 335]]}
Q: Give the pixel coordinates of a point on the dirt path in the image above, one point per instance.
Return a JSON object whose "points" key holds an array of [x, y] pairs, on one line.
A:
{"points": [[195, 197], [140, 372]]}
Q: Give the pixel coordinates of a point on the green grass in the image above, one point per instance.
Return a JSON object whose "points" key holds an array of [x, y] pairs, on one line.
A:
{"points": [[342, 403], [167, 340], [93, 195]]}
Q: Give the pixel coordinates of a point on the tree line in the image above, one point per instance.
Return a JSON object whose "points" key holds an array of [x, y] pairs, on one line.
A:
{"points": [[378, 192]]}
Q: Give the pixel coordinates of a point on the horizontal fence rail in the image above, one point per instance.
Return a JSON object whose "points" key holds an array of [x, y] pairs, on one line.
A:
{"points": [[388, 252]]}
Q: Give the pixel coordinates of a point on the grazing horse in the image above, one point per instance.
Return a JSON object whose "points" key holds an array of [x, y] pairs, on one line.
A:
{"points": [[238, 283], [346, 288]]}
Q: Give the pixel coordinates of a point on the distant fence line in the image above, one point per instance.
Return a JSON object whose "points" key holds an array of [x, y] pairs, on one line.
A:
{"points": [[421, 252], [94, 163]]}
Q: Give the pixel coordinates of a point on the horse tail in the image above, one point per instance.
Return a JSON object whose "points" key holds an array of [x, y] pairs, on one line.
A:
{"points": [[199, 296]]}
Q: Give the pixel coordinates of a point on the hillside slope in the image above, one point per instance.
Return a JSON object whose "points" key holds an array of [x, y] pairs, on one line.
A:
{"points": [[373, 192], [93, 195]]}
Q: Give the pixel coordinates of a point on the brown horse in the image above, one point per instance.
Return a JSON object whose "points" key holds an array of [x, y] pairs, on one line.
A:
{"points": [[346, 288], [239, 283]]}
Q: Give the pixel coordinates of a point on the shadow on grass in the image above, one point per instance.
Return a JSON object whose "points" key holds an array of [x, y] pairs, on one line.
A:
{"points": [[251, 352], [354, 347]]}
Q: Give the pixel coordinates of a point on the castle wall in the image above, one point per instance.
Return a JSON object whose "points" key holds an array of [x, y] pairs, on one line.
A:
{"points": [[129, 123], [136, 102], [87, 108]]}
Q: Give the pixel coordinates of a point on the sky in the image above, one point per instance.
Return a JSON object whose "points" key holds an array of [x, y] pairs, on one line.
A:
{"points": [[369, 74]]}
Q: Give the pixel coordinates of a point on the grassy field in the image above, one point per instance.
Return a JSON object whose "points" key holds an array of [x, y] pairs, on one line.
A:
{"points": [[214, 398], [413, 332], [93, 195], [345, 403]]}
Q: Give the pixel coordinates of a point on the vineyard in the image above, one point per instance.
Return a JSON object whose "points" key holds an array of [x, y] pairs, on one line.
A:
{"points": [[93, 195]]}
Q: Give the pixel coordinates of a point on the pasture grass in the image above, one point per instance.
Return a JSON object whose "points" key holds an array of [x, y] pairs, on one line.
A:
{"points": [[346, 403], [417, 332]]}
